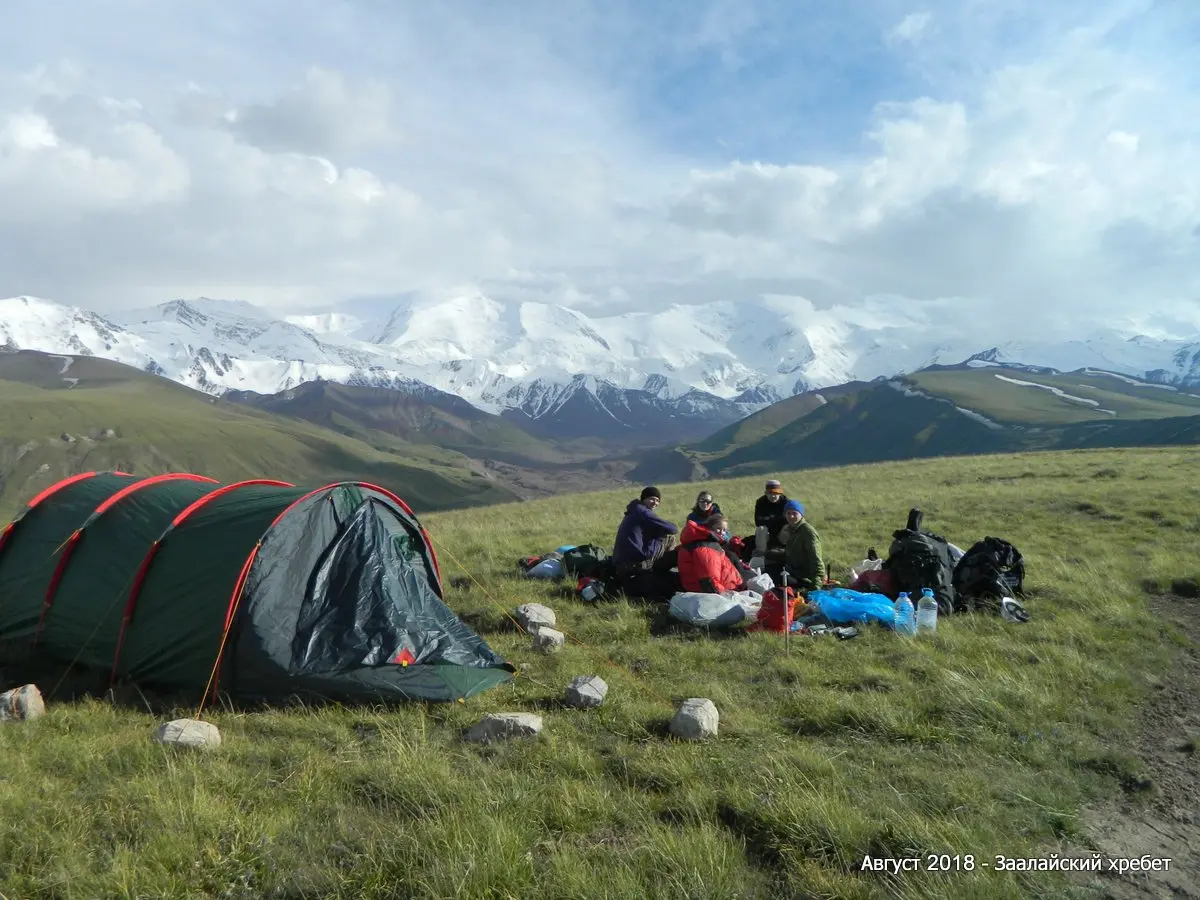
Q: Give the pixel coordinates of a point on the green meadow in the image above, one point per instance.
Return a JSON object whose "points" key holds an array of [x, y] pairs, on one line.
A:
{"points": [[985, 739]]}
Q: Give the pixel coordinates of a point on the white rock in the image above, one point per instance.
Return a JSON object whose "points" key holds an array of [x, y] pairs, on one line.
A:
{"points": [[695, 720], [188, 733], [533, 616], [21, 703], [548, 640], [498, 726], [586, 691]]}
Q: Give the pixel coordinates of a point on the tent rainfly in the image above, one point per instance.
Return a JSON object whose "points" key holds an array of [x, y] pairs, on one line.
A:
{"points": [[260, 588]]}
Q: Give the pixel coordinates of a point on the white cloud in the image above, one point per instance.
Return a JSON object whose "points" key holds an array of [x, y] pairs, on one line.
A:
{"points": [[911, 29], [341, 151]]}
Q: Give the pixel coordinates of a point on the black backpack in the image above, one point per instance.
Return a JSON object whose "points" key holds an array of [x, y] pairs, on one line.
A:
{"points": [[921, 559], [991, 569], [585, 561]]}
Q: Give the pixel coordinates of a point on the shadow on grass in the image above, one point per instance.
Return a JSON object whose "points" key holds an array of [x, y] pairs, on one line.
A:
{"points": [[758, 837], [60, 684], [548, 703], [663, 625]]}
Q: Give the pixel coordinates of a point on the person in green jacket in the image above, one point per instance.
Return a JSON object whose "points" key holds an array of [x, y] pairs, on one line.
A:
{"points": [[800, 553]]}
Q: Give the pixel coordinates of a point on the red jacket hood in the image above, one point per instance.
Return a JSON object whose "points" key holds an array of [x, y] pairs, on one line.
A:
{"points": [[694, 532]]}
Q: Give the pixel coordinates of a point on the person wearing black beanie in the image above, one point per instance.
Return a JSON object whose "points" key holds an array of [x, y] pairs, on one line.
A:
{"points": [[644, 539]]}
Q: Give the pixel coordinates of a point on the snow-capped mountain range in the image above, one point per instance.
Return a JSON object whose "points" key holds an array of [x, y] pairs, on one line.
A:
{"points": [[717, 361]]}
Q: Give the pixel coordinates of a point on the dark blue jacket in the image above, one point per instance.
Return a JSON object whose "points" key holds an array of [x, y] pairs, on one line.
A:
{"points": [[700, 518], [639, 534]]}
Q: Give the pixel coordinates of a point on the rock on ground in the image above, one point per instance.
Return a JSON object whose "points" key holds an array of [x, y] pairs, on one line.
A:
{"points": [[548, 640], [188, 733], [533, 616], [21, 703], [586, 691], [499, 726], [695, 720]]}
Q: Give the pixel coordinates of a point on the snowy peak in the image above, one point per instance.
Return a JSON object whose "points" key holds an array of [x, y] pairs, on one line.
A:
{"points": [[693, 365], [29, 323]]}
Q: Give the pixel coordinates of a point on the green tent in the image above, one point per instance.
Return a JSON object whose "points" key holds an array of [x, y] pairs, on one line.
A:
{"points": [[259, 588]]}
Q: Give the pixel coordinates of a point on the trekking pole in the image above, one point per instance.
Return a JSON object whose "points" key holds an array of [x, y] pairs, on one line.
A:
{"points": [[787, 614]]}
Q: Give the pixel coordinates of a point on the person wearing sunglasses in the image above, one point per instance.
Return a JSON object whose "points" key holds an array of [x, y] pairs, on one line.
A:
{"points": [[704, 509]]}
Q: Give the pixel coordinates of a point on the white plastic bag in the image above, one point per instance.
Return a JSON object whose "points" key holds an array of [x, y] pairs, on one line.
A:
{"points": [[760, 583], [867, 565], [708, 609]]}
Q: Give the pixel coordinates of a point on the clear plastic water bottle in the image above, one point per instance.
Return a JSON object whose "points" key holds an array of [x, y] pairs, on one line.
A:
{"points": [[927, 610], [905, 621]]}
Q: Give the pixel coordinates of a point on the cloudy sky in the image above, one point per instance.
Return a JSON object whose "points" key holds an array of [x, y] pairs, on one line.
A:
{"points": [[1004, 160]]}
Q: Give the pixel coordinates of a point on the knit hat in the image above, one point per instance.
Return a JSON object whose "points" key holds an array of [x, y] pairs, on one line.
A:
{"points": [[774, 487], [794, 504], [651, 492]]}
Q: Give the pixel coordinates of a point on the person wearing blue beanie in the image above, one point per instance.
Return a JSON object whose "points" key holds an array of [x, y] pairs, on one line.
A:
{"points": [[800, 552]]}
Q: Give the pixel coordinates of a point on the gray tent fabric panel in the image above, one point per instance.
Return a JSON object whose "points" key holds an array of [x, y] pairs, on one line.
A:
{"points": [[335, 626], [352, 615], [276, 584]]}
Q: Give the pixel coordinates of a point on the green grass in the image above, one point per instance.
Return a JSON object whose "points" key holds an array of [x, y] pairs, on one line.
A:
{"points": [[980, 390], [985, 739], [159, 426]]}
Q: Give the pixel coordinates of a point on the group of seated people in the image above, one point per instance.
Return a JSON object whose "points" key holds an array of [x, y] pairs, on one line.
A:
{"points": [[704, 553]]}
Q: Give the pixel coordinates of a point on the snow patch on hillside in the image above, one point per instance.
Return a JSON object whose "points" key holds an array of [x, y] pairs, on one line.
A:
{"points": [[980, 418], [1059, 393]]}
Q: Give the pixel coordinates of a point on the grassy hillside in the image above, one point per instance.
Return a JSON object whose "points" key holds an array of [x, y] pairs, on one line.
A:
{"points": [[987, 738], [444, 426], [100, 415], [759, 425], [1088, 398], [442, 420], [940, 412]]}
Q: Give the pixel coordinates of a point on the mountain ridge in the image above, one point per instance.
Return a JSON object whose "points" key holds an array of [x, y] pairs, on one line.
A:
{"points": [[62, 414], [685, 371], [940, 411]]}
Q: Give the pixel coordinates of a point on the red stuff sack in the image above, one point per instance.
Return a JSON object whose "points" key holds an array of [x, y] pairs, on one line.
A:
{"points": [[773, 615]]}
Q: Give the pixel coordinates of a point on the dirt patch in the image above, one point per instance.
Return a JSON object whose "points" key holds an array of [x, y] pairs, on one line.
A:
{"points": [[1163, 822]]}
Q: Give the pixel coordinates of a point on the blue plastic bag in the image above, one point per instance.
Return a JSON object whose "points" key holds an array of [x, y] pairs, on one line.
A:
{"points": [[843, 606]]}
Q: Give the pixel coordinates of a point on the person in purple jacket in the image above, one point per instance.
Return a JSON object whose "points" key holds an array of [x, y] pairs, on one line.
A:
{"points": [[645, 540]]}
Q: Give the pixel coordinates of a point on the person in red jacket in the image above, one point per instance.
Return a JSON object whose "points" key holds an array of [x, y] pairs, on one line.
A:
{"points": [[704, 564]]}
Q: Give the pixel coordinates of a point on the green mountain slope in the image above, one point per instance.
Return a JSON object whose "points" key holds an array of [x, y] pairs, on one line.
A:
{"points": [[433, 418], [939, 412], [759, 425], [1079, 398], [61, 415]]}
